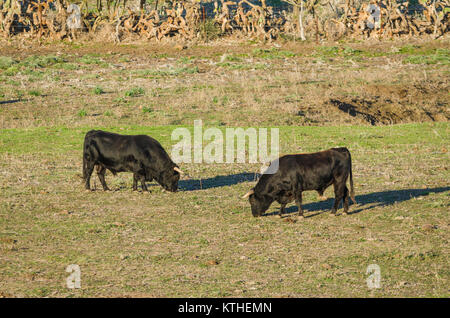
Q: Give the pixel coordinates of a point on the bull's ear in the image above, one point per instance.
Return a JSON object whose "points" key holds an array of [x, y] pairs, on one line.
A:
{"points": [[249, 193], [178, 170]]}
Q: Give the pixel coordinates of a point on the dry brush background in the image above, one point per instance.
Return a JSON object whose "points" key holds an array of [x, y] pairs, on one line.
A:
{"points": [[194, 20]]}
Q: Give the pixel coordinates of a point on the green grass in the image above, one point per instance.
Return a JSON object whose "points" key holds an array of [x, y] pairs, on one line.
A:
{"points": [[98, 90], [147, 109], [238, 66], [41, 61], [173, 71], [92, 59], [35, 92], [82, 113], [6, 62], [440, 56], [415, 54], [273, 53], [205, 242], [134, 92], [29, 65]]}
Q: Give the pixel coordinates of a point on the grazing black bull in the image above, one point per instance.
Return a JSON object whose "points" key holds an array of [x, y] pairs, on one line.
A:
{"points": [[142, 155], [302, 172]]}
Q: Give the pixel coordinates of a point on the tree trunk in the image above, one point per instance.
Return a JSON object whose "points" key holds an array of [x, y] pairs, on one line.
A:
{"points": [[300, 22], [316, 19]]}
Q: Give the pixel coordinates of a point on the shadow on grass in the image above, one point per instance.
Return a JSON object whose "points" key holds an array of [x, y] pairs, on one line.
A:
{"points": [[12, 101], [365, 201], [216, 182], [189, 184]]}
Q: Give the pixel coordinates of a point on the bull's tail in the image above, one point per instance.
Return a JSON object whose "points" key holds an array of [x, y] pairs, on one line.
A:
{"points": [[352, 191], [346, 151], [86, 154], [84, 159]]}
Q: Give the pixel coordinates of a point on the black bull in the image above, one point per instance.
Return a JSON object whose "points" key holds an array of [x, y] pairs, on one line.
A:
{"points": [[141, 155], [302, 172]]}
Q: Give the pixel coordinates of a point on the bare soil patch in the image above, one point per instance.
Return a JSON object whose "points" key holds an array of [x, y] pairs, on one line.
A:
{"points": [[393, 104]]}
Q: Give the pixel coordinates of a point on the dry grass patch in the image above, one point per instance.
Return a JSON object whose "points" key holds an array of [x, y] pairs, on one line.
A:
{"points": [[295, 84]]}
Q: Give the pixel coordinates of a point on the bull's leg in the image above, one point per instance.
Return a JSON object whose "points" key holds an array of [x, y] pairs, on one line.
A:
{"points": [[143, 183], [89, 168], [282, 210], [101, 175], [346, 196], [144, 186], [298, 201], [338, 196], [135, 180]]}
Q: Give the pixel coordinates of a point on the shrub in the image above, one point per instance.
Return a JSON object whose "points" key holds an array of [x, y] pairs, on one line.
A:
{"points": [[136, 91], [146, 109], [36, 61], [98, 90], [34, 93], [82, 113], [89, 59], [209, 30], [6, 62]]}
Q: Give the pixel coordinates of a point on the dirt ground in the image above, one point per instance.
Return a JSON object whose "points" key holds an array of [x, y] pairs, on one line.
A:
{"points": [[332, 84]]}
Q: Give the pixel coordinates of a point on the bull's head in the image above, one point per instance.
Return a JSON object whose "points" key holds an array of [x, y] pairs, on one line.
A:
{"points": [[259, 204], [169, 179]]}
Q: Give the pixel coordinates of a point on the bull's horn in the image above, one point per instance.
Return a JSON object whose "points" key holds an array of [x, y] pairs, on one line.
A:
{"points": [[178, 170], [249, 193]]}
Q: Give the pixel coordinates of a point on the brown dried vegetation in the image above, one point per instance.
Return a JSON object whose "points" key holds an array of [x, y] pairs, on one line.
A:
{"points": [[58, 19]]}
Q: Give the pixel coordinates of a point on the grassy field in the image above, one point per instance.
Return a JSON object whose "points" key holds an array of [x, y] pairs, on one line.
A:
{"points": [[204, 241], [386, 102]]}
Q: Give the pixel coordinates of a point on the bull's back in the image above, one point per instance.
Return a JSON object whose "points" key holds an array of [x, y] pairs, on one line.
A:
{"points": [[113, 151], [315, 170], [318, 160], [312, 171], [123, 152], [308, 169]]}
